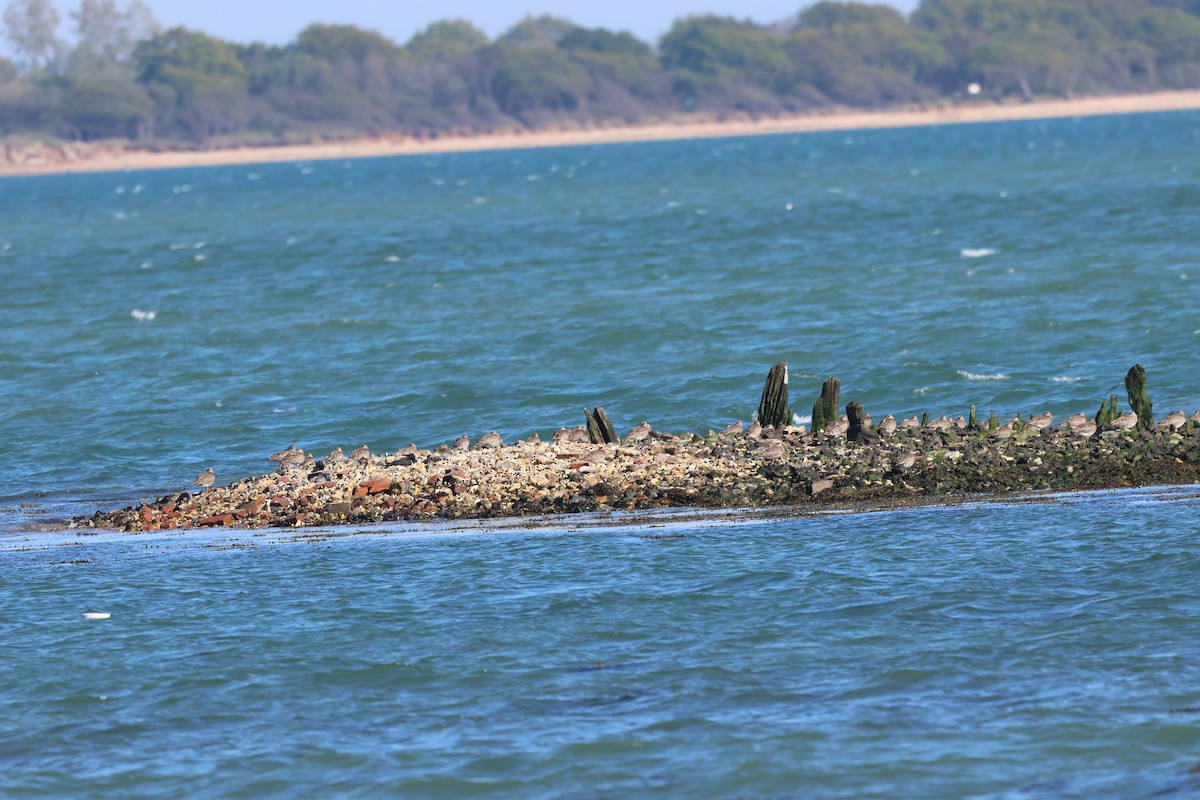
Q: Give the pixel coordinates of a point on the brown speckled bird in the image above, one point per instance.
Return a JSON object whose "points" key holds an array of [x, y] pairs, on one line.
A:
{"points": [[639, 433], [491, 440], [205, 479]]}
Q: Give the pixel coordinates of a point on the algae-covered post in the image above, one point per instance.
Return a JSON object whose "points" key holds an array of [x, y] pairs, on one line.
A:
{"points": [[1139, 401], [773, 411], [825, 410], [1108, 414], [599, 426]]}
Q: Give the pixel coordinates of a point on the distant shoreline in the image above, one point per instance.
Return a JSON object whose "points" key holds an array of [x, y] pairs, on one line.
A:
{"points": [[72, 157]]}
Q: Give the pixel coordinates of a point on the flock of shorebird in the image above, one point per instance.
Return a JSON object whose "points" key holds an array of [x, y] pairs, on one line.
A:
{"points": [[1079, 425]]}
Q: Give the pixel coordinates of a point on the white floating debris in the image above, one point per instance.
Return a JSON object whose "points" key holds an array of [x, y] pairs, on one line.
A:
{"points": [[977, 252], [143, 316], [974, 88], [96, 615]]}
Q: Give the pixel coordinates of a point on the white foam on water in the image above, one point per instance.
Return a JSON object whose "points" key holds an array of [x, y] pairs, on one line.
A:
{"points": [[199, 257], [184, 189], [983, 376], [392, 259], [977, 252], [1065, 379], [921, 390], [798, 419], [143, 316]]}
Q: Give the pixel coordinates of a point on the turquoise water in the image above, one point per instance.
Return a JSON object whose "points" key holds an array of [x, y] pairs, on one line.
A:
{"points": [[157, 323]]}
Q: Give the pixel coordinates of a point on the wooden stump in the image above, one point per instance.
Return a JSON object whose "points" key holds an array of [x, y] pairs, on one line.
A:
{"points": [[599, 426], [825, 410], [773, 411], [1108, 413], [1139, 401], [859, 431]]}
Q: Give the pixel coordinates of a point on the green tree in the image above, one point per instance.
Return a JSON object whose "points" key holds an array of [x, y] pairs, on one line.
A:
{"points": [[527, 82], [877, 35], [107, 34], [31, 28], [543, 31], [197, 82], [720, 61], [447, 40]]}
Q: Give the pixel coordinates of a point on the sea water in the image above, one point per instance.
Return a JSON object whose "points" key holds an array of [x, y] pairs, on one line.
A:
{"points": [[158, 323]]}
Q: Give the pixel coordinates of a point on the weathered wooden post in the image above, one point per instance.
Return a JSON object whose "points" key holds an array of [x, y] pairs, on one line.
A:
{"points": [[825, 410], [1108, 413], [1139, 401], [599, 426], [859, 431], [773, 411]]}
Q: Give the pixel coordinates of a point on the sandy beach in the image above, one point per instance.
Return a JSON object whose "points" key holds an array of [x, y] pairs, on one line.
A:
{"points": [[46, 158]]}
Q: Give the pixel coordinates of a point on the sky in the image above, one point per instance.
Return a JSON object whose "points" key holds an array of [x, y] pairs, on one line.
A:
{"points": [[278, 22]]}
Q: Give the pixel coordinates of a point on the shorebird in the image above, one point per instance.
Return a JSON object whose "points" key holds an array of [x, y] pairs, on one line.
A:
{"points": [[771, 450], [1125, 422], [361, 453], [336, 457], [1041, 421], [911, 422], [906, 461], [577, 435], [736, 427], [1195, 417], [282, 454], [887, 426], [754, 431], [534, 439], [1087, 429], [1077, 420], [1175, 421], [205, 479], [462, 443], [292, 459], [837, 428], [491, 440], [639, 433], [1003, 432], [940, 424]]}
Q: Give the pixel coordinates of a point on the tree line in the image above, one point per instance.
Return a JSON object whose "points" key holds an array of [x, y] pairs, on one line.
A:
{"points": [[126, 77]]}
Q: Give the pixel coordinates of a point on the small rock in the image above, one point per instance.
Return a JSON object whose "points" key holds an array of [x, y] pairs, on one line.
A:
{"points": [[823, 485]]}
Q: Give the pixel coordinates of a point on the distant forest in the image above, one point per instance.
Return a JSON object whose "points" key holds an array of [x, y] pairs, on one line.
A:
{"points": [[124, 77]]}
